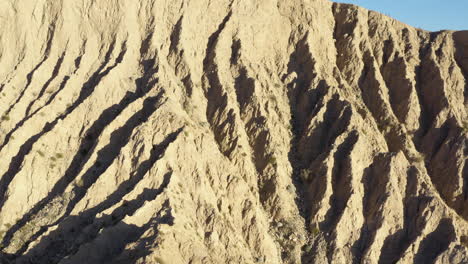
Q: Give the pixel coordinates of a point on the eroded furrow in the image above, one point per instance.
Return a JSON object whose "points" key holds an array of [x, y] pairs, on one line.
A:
{"points": [[29, 77], [25, 149]]}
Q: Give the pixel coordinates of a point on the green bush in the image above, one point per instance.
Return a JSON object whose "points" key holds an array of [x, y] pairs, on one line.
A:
{"points": [[272, 160], [315, 231], [79, 183]]}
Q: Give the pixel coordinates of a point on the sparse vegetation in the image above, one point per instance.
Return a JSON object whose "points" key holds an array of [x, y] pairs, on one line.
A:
{"points": [[187, 106], [419, 157], [59, 155], [307, 247], [272, 160], [315, 231], [304, 175], [5, 118], [158, 260], [465, 126], [79, 183], [40, 153]]}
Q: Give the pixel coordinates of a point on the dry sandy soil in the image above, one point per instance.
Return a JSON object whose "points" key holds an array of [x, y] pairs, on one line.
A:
{"points": [[229, 131]]}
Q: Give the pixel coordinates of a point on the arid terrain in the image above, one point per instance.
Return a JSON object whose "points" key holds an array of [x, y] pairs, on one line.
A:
{"points": [[229, 131]]}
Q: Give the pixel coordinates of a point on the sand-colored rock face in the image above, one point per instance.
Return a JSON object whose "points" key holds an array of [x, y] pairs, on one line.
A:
{"points": [[296, 131]]}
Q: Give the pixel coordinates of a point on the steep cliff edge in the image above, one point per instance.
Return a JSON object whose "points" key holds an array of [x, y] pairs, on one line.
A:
{"points": [[297, 131]]}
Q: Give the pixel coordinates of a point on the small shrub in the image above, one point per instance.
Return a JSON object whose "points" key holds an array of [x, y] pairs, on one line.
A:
{"points": [[304, 175], [79, 183], [417, 157], [308, 247], [5, 118], [159, 260], [315, 231], [465, 126], [272, 160], [53, 159], [59, 155], [40, 153], [187, 107]]}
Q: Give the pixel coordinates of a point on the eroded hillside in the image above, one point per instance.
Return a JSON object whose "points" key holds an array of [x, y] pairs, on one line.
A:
{"points": [[200, 131]]}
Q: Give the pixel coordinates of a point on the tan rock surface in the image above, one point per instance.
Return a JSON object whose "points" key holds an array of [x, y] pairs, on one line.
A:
{"points": [[297, 131]]}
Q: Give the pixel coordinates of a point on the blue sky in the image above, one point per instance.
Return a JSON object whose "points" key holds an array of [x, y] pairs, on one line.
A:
{"points": [[432, 15]]}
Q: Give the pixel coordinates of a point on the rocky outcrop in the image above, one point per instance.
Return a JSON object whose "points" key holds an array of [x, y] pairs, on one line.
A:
{"points": [[229, 132]]}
